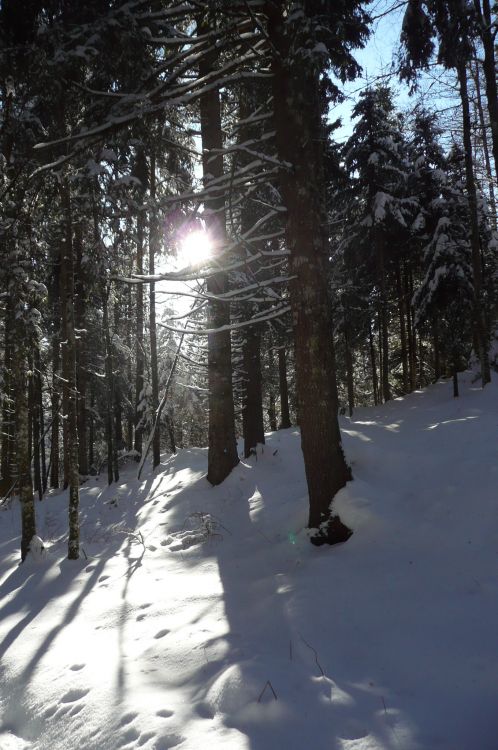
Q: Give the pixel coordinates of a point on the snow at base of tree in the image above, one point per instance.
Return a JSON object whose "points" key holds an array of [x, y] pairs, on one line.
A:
{"points": [[201, 617]]}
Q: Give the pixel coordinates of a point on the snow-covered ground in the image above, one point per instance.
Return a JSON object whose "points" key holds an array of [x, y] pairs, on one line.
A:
{"points": [[202, 618]]}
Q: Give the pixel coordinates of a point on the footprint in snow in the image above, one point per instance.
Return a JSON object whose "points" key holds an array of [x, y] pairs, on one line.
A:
{"points": [[145, 737], [76, 667], [165, 713], [127, 718], [74, 695], [167, 741], [129, 735], [103, 578], [161, 633]]}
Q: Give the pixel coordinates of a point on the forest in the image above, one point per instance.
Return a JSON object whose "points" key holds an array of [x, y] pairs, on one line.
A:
{"points": [[319, 273], [216, 231]]}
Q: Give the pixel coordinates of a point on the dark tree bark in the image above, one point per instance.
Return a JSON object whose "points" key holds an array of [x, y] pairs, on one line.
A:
{"points": [[54, 440], [69, 376], [373, 364], [112, 455], [7, 397], [487, 31], [252, 410], [153, 249], [402, 329], [222, 452], [285, 421], [299, 142], [479, 312], [81, 353], [484, 137], [22, 419], [139, 336]]}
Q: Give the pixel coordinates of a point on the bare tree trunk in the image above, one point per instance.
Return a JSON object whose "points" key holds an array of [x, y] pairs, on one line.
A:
{"points": [[285, 421], [252, 410], [112, 456], [299, 139], [54, 441], [373, 364], [7, 396], [402, 328], [139, 337], [69, 376], [487, 32], [34, 403], [484, 135], [81, 353], [479, 314], [222, 452], [22, 419], [153, 249]]}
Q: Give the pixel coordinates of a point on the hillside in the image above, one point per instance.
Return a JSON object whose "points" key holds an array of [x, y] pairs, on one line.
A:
{"points": [[202, 617]]}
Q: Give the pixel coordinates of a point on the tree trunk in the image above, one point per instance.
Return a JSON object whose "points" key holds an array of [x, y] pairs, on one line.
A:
{"points": [[285, 421], [222, 451], [299, 137], [22, 419], [485, 146], [112, 456], [35, 422], [69, 376], [479, 314], [153, 249], [139, 337], [252, 410], [402, 328], [486, 26], [8, 395], [54, 441], [373, 364], [349, 364], [81, 354]]}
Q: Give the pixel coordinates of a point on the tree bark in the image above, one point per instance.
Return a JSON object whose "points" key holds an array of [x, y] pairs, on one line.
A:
{"points": [[299, 138], [153, 249], [252, 410], [139, 337], [489, 69], [285, 421], [81, 353], [222, 451], [22, 419], [479, 313], [69, 375]]}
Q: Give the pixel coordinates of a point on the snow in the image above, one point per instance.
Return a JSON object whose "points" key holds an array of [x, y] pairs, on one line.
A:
{"points": [[202, 617]]}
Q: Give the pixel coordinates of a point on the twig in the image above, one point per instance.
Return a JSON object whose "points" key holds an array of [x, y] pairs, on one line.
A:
{"points": [[267, 684], [315, 653]]}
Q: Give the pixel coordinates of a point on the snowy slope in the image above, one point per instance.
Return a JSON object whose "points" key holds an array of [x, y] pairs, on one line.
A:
{"points": [[227, 629]]}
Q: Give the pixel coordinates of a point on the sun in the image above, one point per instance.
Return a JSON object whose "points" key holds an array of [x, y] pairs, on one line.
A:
{"points": [[196, 247]]}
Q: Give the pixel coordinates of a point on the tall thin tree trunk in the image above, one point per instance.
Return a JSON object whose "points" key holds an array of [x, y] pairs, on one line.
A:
{"points": [[484, 138], [22, 419], [299, 138], [81, 353], [252, 410], [139, 336], [479, 312], [373, 364], [285, 421], [487, 31], [35, 422], [55, 416], [8, 395], [402, 328], [222, 451], [112, 458], [153, 249], [69, 375]]}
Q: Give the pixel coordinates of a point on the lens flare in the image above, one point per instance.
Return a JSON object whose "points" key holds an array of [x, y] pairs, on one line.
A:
{"points": [[195, 248]]}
